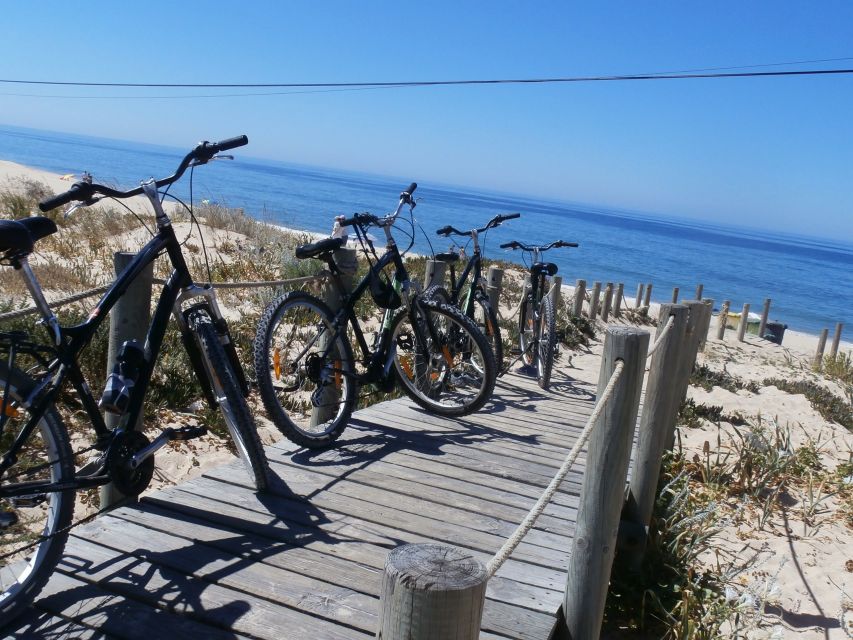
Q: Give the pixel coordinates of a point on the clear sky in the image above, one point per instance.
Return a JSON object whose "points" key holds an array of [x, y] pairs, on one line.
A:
{"points": [[764, 152]]}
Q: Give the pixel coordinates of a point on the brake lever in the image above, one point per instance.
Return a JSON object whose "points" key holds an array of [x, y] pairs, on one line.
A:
{"points": [[225, 157], [78, 205]]}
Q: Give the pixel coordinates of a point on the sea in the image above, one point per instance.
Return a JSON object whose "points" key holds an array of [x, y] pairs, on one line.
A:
{"points": [[809, 280]]}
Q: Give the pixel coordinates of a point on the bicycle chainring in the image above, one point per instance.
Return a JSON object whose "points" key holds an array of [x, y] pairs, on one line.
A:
{"points": [[127, 480]]}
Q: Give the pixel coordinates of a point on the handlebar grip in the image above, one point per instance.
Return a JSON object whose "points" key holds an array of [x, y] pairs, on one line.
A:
{"points": [[74, 193], [510, 216], [445, 231], [509, 245], [568, 244], [411, 189], [230, 143], [347, 222]]}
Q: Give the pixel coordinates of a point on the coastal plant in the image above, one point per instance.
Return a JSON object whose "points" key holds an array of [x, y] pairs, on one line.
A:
{"points": [[706, 378], [832, 407], [692, 414]]}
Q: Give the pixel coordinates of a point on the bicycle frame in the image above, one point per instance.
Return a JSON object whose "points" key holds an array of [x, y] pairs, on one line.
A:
{"points": [[178, 288]]}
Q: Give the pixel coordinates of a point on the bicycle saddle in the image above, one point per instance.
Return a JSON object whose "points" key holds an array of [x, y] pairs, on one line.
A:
{"points": [[548, 267], [447, 257], [18, 236], [314, 249]]}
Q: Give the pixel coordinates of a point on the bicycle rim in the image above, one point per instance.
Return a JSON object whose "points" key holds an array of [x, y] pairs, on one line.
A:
{"points": [[486, 320], [41, 518]]}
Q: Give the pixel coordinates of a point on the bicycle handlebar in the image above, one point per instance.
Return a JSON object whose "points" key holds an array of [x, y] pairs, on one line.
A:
{"points": [[515, 244], [86, 191], [494, 222], [369, 218]]}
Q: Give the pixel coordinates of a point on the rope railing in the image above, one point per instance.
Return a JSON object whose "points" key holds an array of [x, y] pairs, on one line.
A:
{"points": [[527, 524], [20, 313], [662, 335]]}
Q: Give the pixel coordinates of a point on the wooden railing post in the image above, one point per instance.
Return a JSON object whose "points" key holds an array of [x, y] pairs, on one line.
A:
{"points": [[431, 592], [821, 345], [699, 289], [617, 300], [647, 301], [347, 262], [657, 424], [723, 319], [580, 294], [836, 340], [640, 290], [556, 288], [434, 273], [594, 300], [695, 311], [129, 320], [765, 313], [675, 295], [494, 281], [605, 305], [744, 318], [706, 322], [603, 493]]}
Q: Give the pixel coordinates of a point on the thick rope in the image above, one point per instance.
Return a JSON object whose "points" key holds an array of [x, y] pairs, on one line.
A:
{"points": [[662, 335], [20, 313], [527, 524]]}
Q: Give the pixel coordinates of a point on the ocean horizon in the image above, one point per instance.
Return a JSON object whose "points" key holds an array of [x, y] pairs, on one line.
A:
{"points": [[809, 279]]}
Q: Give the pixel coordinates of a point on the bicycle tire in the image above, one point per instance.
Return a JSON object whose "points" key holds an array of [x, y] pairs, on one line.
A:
{"points": [[547, 343], [459, 359], [527, 333], [231, 402], [21, 578], [282, 391]]}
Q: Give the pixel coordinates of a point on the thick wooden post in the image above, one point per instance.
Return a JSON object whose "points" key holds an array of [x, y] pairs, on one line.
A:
{"points": [[556, 288], [699, 289], [695, 311], [723, 319], [603, 494], [675, 295], [605, 305], [347, 261], [765, 313], [617, 300], [706, 322], [129, 320], [640, 290], [647, 301], [434, 273], [594, 300], [431, 592], [744, 318], [836, 340], [657, 424], [821, 345], [494, 281], [580, 294]]}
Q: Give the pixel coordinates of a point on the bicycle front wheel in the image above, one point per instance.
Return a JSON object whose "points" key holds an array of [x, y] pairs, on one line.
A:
{"points": [[306, 373], [33, 527], [528, 333], [443, 362], [547, 344], [231, 402]]}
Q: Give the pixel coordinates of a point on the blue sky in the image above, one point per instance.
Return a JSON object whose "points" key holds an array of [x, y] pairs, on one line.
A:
{"points": [[775, 153]]}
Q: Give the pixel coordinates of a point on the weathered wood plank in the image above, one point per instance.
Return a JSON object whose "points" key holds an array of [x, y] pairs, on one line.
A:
{"points": [[39, 624]]}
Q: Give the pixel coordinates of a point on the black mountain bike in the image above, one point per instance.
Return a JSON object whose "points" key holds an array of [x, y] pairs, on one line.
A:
{"points": [[305, 363], [38, 474], [537, 319], [470, 295]]}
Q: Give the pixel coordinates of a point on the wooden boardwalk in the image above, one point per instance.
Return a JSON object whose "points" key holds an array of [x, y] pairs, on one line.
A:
{"points": [[210, 559]]}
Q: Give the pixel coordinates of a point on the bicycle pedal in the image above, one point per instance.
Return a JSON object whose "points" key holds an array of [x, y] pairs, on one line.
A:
{"points": [[188, 433], [8, 519]]}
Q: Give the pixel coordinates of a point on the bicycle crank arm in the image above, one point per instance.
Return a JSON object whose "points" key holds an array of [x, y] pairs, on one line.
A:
{"points": [[166, 436]]}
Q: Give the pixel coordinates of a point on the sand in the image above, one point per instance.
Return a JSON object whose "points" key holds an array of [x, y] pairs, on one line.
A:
{"points": [[804, 564]]}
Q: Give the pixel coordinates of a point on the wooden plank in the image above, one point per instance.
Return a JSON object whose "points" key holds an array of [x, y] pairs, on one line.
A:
{"points": [[40, 624]]}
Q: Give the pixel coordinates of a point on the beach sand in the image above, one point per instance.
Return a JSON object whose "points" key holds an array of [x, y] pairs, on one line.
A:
{"points": [[804, 561]]}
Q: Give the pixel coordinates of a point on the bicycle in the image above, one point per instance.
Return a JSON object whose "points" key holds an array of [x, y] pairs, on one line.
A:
{"points": [[304, 358], [38, 478], [473, 299], [537, 330]]}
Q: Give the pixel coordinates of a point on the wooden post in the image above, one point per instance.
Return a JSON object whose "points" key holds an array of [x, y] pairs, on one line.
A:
{"points": [[347, 261], [556, 287], [657, 424], [765, 312], [699, 289], [594, 299], [695, 311], [431, 592], [608, 297], [617, 300], [836, 340], [640, 290], [129, 320], [580, 294], [723, 319], [675, 295], [821, 345], [603, 494], [706, 322], [744, 318], [648, 299], [494, 281], [434, 273]]}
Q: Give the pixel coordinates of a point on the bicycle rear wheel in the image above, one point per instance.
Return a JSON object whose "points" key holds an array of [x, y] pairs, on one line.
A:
{"points": [[443, 362], [231, 402], [487, 322], [547, 344], [33, 528], [528, 333], [308, 389]]}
